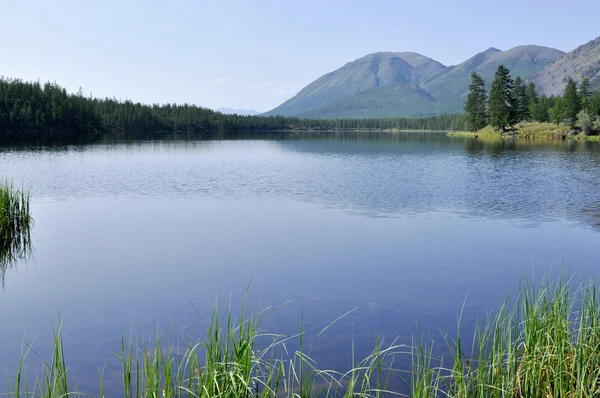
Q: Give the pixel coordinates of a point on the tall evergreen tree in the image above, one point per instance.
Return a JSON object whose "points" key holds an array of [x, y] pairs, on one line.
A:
{"points": [[502, 103], [532, 101], [521, 99], [571, 103], [595, 103], [585, 93], [556, 113], [476, 105]]}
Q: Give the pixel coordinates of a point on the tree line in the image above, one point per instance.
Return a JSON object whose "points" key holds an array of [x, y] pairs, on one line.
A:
{"points": [[32, 110], [511, 101]]}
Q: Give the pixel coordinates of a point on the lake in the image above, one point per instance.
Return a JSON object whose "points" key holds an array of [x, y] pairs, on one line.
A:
{"points": [[403, 229]]}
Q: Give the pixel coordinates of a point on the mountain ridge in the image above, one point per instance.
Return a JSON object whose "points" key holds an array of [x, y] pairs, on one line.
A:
{"points": [[373, 70], [405, 84], [582, 62], [451, 88]]}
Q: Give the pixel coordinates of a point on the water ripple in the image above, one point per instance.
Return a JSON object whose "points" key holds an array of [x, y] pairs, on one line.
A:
{"points": [[532, 183]]}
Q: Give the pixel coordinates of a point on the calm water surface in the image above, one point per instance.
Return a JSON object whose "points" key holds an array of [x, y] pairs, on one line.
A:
{"points": [[401, 227]]}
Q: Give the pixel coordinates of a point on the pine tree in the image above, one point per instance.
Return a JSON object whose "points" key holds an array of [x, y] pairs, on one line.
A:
{"points": [[520, 93], [595, 103], [502, 103], [571, 104], [585, 93], [476, 105], [29, 116], [532, 101], [557, 112]]}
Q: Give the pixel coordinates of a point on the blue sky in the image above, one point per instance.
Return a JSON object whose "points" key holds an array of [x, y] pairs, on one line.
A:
{"points": [[258, 53]]}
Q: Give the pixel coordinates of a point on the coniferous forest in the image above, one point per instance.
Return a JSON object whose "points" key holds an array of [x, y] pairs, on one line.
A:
{"points": [[30, 110], [512, 101]]}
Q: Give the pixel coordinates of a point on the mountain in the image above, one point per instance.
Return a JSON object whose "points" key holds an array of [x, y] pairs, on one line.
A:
{"points": [[451, 88], [582, 62], [405, 84], [241, 112], [402, 100], [369, 72]]}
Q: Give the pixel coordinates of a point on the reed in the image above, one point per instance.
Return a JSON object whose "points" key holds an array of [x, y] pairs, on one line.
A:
{"points": [[15, 224], [238, 359], [543, 343]]}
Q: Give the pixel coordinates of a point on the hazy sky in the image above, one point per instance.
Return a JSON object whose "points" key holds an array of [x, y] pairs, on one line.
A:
{"points": [[258, 53]]}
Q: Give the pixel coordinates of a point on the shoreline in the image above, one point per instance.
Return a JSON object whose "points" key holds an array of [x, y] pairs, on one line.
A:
{"points": [[528, 131], [360, 131]]}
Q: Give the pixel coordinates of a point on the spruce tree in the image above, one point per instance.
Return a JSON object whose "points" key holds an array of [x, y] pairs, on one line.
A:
{"points": [[502, 104], [542, 107], [571, 104], [532, 101], [476, 105], [595, 103], [585, 93], [557, 112], [522, 100]]}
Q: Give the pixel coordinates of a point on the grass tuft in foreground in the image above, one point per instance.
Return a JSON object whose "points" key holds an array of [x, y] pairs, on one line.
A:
{"points": [[15, 224], [544, 343]]}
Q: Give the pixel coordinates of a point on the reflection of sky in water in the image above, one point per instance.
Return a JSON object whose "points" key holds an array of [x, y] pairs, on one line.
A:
{"points": [[496, 180], [401, 229]]}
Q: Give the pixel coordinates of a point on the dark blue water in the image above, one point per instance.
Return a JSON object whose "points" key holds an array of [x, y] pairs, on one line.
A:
{"points": [[404, 229]]}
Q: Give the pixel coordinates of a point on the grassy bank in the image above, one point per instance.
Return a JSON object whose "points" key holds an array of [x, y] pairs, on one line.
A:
{"points": [[528, 130], [15, 224], [543, 343]]}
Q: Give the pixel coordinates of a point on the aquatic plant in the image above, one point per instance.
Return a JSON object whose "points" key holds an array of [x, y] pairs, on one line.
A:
{"points": [[236, 359], [15, 225], [545, 343]]}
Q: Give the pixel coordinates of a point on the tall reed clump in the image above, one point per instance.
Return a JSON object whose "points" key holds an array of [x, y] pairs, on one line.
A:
{"points": [[15, 224], [235, 359], [544, 344]]}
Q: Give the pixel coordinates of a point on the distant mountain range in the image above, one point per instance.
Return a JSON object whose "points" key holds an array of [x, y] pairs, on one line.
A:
{"points": [[406, 84], [241, 112]]}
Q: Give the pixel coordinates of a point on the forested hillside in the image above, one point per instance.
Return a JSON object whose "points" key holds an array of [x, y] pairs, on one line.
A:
{"points": [[30, 110]]}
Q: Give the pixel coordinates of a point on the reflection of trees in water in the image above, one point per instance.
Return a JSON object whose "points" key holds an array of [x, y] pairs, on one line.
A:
{"points": [[381, 173], [13, 250], [499, 146], [329, 140], [526, 181], [591, 216], [15, 227], [544, 191]]}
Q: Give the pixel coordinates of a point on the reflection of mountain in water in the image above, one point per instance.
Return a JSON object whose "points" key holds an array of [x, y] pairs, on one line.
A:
{"points": [[525, 181], [374, 174]]}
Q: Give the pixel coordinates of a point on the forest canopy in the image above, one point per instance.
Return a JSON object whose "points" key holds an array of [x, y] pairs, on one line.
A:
{"points": [[30, 110]]}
